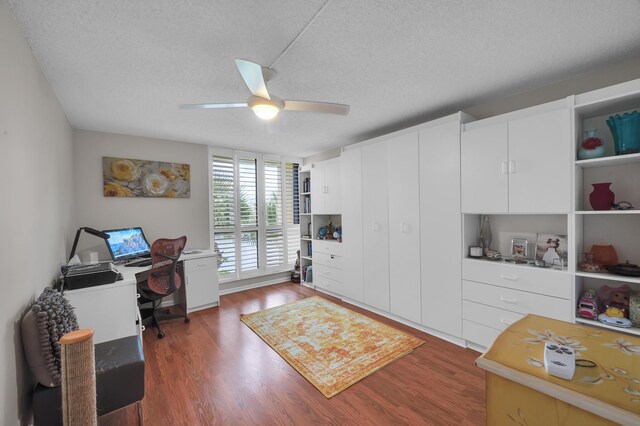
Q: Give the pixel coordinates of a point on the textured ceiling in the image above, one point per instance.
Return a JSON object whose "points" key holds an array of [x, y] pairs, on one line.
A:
{"points": [[124, 66]]}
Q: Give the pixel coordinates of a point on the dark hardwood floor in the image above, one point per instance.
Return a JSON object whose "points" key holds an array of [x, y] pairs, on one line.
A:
{"points": [[215, 370]]}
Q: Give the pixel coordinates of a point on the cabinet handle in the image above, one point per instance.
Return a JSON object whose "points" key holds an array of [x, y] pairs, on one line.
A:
{"points": [[405, 228], [333, 256], [505, 168], [509, 277], [325, 189], [504, 321], [512, 301], [512, 167], [376, 226], [201, 264], [143, 328]]}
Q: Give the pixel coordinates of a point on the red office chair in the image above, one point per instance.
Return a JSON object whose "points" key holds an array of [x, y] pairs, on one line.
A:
{"points": [[165, 277]]}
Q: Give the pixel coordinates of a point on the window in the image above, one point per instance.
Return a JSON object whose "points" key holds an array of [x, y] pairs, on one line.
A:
{"points": [[255, 213]]}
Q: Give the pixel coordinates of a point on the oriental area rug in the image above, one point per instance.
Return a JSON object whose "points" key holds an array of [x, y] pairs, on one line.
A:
{"points": [[331, 346]]}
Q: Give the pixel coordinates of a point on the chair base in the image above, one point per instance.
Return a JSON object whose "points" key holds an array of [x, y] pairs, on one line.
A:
{"points": [[155, 315]]}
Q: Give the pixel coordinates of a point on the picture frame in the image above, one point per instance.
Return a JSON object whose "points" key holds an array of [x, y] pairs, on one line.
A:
{"points": [[519, 247], [550, 247]]}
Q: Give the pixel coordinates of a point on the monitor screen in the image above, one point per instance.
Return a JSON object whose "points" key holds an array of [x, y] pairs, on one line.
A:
{"points": [[127, 243]]}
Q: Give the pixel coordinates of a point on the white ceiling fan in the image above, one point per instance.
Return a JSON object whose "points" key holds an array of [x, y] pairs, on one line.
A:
{"points": [[263, 104]]}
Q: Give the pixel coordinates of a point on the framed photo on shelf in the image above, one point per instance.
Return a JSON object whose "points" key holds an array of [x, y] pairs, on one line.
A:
{"points": [[520, 248], [550, 247]]}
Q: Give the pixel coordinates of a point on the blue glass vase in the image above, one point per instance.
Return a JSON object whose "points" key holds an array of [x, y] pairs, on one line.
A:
{"points": [[625, 130]]}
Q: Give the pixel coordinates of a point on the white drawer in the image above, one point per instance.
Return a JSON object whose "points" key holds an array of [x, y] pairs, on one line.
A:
{"points": [[480, 334], [517, 301], [326, 283], [327, 247], [492, 317], [528, 278], [327, 272], [201, 264], [331, 260]]}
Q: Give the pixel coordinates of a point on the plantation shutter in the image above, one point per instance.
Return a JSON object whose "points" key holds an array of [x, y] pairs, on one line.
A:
{"points": [[273, 209], [224, 217], [292, 206], [248, 200]]}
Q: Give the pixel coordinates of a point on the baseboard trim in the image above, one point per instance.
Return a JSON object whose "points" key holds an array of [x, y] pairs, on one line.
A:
{"points": [[444, 336], [254, 285]]}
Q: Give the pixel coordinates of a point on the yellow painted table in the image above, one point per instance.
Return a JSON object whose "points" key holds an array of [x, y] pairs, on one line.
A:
{"points": [[519, 390]]}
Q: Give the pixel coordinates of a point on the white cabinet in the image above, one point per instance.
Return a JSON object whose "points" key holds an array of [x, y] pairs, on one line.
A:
{"points": [[495, 295], [539, 179], [518, 165], [485, 185], [375, 223], [201, 279], [327, 265], [351, 189], [325, 188], [440, 227], [110, 310], [404, 226]]}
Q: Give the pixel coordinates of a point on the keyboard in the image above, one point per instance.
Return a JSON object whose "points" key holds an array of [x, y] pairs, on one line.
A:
{"points": [[139, 263]]}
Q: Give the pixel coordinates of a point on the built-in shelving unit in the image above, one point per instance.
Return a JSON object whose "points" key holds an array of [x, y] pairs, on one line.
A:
{"points": [[619, 228], [306, 224]]}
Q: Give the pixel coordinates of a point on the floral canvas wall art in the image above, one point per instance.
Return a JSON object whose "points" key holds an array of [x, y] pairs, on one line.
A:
{"points": [[124, 177]]}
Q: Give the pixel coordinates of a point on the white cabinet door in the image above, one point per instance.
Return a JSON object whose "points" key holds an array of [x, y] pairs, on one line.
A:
{"points": [[375, 221], [484, 162], [351, 190], [202, 283], [441, 228], [404, 226], [539, 179], [317, 189], [332, 197], [325, 187]]}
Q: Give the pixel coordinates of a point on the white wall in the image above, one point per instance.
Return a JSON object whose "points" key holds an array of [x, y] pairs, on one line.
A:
{"points": [[36, 204], [158, 217]]}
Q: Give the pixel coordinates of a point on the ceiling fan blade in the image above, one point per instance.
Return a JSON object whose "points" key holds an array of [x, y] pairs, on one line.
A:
{"points": [[210, 106], [325, 107], [253, 77]]}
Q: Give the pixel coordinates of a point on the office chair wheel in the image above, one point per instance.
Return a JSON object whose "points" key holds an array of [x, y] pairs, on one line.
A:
{"points": [[161, 335], [187, 320]]}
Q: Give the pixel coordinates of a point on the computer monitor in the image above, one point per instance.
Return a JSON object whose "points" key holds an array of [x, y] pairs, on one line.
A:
{"points": [[127, 243]]}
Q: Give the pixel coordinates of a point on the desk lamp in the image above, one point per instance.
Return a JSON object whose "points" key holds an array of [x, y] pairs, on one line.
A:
{"points": [[88, 230]]}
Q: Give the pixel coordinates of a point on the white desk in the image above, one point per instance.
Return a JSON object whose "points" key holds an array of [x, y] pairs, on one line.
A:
{"points": [[111, 310]]}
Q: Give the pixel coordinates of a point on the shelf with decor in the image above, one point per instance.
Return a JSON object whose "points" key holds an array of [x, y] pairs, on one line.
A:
{"points": [[306, 224], [607, 203]]}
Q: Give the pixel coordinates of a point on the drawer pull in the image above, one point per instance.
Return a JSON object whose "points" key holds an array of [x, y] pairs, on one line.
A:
{"points": [[512, 301], [504, 321], [376, 226], [509, 277], [201, 264], [333, 256]]}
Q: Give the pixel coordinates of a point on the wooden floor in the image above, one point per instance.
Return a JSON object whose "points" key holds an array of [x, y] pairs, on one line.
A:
{"points": [[215, 370]]}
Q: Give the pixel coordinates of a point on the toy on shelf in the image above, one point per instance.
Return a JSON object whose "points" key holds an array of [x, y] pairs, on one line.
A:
{"points": [[615, 297], [614, 316], [588, 306]]}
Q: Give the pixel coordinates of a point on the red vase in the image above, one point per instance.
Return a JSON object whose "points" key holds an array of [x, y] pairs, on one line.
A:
{"points": [[602, 197]]}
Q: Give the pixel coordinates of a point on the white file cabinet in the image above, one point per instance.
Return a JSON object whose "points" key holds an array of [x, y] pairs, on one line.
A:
{"points": [[201, 279]]}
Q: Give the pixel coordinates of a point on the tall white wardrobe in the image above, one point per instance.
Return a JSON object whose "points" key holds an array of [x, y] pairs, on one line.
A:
{"points": [[402, 224]]}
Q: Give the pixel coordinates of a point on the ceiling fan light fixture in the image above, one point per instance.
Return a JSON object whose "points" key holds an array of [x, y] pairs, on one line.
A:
{"points": [[266, 109]]}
